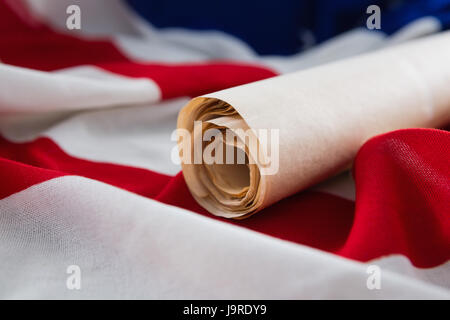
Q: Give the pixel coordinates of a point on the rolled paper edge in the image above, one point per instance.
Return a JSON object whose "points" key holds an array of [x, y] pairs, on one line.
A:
{"points": [[192, 181]]}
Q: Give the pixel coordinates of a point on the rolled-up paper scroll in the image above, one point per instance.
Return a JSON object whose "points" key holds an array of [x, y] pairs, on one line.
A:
{"points": [[295, 130]]}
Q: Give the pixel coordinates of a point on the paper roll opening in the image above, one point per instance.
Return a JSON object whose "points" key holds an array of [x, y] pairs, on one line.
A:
{"points": [[220, 169]]}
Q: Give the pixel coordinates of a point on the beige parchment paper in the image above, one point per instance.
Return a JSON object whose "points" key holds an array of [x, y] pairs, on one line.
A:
{"points": [[323, 116]]}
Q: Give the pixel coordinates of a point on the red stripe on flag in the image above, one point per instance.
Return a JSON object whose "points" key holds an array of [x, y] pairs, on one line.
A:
{"points": [[44, 159], [311, 218], [41, 48], [17, 176], [38, 47], [401, 207], [178, 80], [403, 197]]}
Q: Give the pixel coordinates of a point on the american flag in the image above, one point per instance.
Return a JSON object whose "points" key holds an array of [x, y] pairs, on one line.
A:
{"points": [[87, 182]]}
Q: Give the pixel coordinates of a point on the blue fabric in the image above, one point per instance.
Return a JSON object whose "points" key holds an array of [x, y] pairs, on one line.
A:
{"points": [[285, 26]]}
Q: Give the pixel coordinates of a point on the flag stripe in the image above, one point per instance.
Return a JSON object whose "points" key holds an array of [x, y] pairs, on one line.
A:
{"points": [[291, 219], [43, 49], [192, 79], [312, 218]]}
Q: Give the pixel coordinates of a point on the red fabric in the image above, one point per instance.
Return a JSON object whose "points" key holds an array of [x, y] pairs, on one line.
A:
{"points": [[192, 79], [42, 159], [403, 197], [36, 46], [402, 188], [312, 218]]}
